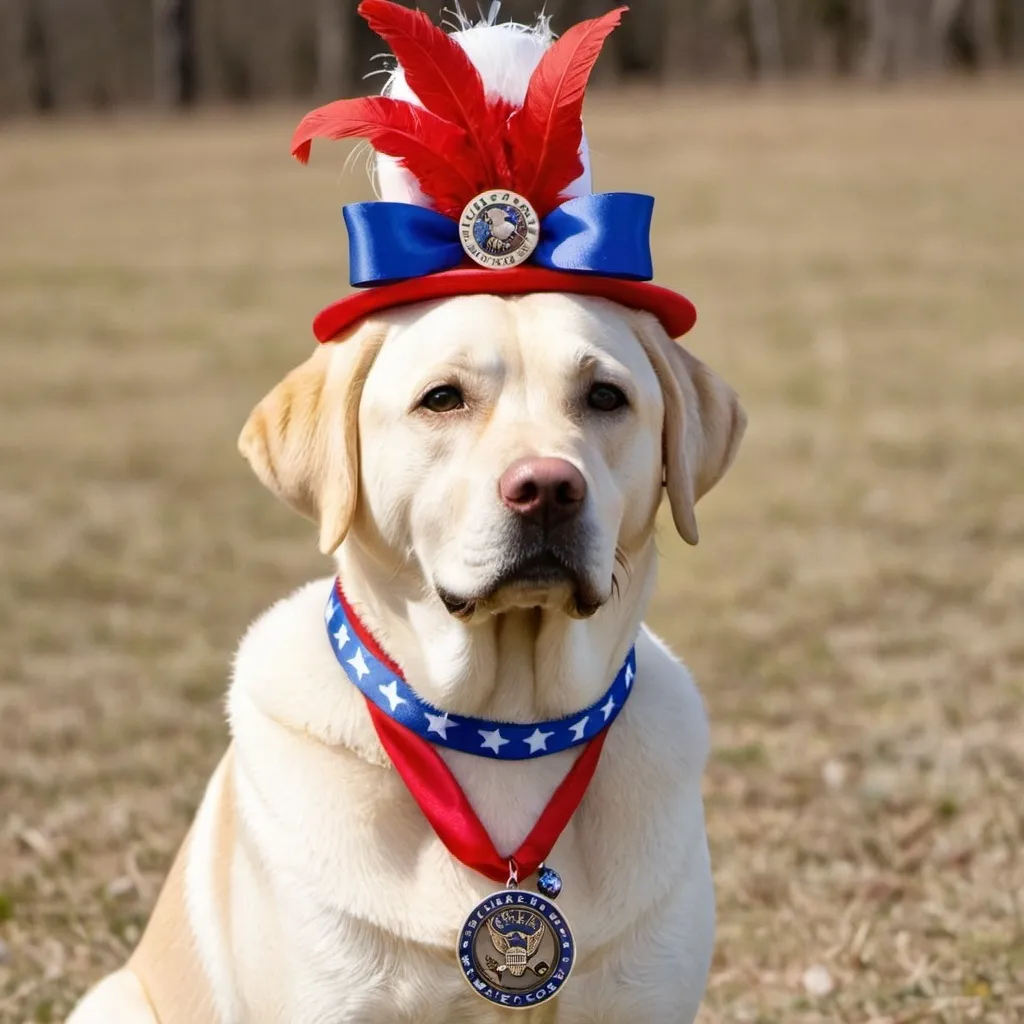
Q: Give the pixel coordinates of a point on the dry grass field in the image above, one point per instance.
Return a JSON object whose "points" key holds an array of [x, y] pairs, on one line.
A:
{"points": [[853, 611]]}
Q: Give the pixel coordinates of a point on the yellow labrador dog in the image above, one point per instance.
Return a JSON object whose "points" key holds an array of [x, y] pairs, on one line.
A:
{"points": [[486, 472]]}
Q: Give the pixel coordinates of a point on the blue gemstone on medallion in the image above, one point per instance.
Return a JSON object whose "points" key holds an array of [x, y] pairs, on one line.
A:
{"points": [[549, 883]]}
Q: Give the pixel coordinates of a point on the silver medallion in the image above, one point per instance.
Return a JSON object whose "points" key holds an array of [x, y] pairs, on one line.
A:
{"points": [[516, 949], [499, 229]]}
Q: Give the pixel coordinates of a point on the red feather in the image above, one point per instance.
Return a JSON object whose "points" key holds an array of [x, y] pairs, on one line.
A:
{"points": [[496, 138], [546, 134], [439, 72], [435, 151]]}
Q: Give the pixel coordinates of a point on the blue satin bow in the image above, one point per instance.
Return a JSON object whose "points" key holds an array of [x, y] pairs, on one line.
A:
{"points": [[606, 234]]}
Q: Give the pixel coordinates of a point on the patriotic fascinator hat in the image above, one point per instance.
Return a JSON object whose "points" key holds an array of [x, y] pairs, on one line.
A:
{"points": [[483, 173]]}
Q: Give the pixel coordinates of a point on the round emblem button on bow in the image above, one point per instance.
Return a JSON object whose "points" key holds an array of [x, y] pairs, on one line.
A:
{"points": [[499, 229]]}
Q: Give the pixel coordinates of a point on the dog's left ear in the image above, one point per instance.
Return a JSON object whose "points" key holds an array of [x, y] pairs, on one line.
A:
{"points": [[704, 423], [302, 439]]}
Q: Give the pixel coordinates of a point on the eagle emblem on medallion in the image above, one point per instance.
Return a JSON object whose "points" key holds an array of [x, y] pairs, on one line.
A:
{"points": [[516, 936]]}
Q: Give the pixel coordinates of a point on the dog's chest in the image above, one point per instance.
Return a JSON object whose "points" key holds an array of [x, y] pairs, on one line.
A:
{"points": [[366, 904], [354, 972], [633, 964]]}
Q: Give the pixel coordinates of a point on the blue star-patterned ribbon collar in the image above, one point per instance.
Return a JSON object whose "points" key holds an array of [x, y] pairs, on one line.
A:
{"points": [[503, 741]]}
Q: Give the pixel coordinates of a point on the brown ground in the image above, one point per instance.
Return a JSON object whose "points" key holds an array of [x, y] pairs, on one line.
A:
{"points": [[853, 611]]}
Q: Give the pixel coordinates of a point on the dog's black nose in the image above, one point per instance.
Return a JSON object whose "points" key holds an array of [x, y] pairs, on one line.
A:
{"points": [[544, 490]]}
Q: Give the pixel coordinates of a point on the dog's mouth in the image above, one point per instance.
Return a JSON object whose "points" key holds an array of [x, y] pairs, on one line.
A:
{"points": [[544, 569], [541, 579]]}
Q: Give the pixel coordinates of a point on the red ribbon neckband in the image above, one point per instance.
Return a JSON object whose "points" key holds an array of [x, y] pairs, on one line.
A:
{"points": [[439, 795]]}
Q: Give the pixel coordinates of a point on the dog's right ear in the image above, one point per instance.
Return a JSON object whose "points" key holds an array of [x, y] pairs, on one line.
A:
{"points": [[302, 440]]}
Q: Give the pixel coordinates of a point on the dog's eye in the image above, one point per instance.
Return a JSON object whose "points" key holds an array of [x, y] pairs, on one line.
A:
{"points": [[606, 398], [443, 399]]}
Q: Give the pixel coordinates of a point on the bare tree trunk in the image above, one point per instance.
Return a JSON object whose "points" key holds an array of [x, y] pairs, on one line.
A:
{"points": [[676, 58], [1016, 11], [943, 14], [173, 53], [910, 34], [985, 32], [877, 61], [805, 37], [37, 61], [767, 35], [841, 22], [333, 56], [700, 40], [686, 25], [640, 41]]}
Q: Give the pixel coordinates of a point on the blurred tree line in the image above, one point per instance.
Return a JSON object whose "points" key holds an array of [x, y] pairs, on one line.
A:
{"points": [[66, 54]]}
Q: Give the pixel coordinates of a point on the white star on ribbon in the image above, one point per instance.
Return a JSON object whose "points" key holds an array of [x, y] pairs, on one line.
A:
{"points": [[342, 637], [391, 692], [538, 740], [440, 724], [608, 708], [578, 728], [492, 740], [358, 663], [328, 611], [629, 676]]}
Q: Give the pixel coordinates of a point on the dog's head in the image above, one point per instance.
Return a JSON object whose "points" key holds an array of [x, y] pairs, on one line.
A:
{"points": [[511, 450]]}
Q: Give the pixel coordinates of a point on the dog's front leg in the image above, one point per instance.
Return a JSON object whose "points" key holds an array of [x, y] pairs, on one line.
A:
{"points": [[117, 999]]}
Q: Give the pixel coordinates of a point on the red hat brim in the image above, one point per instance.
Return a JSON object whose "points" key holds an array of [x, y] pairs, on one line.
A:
{"points": [[676, 313]]}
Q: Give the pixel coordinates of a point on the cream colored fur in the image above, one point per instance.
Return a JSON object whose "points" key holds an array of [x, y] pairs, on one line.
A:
{"points": [[311, 889]]}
